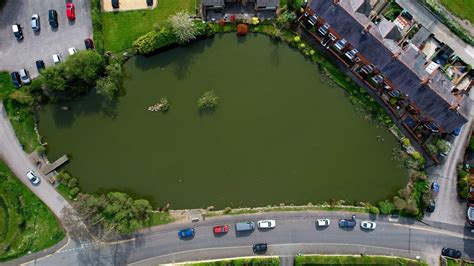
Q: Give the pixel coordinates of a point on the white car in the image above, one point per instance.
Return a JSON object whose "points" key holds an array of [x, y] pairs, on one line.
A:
{"points": [[56, 58], [72, 51], [35, 22], [24, 76], [368, 225], [266, 224], [33, 178], [323, 222]]}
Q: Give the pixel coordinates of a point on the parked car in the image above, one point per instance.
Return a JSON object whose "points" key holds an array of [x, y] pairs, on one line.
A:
{"points": [[451, 252], [17, 32], [16, 80], [186, 233], [72, 51], [53, 18], [435, 187], [323, 222], [313, 20], [70, 11], [149, 2], [32, 177], [35, 22], [260, 248], [115, 4], [89, 43], [266, 224], [221, 229], [40, 65], [25, 77], [368, 225], [323, 30], [348, 222], [244, 226], [56, 58], [431, 205]]}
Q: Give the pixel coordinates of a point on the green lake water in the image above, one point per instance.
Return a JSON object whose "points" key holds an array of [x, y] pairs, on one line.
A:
{"points": [[282, 133]]}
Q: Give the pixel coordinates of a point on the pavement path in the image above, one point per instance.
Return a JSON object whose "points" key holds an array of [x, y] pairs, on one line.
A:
{"points": [[295, 232], [449, 207], [441, 32]]}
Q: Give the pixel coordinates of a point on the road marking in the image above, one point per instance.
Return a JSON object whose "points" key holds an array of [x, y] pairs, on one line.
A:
{"points": [[438, 231]]}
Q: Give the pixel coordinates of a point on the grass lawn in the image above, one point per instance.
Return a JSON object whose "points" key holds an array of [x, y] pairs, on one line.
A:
{"points": [[158, 218], [245, 261], [26, 224], [463, 9], [21, 117], [351, 260], [122, 28]]}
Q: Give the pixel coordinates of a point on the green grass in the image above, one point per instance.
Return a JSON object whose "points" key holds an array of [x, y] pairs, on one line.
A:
{"points": [[351, 260], [245, 261], [6, 86], [158, 218], [122, 28], [26, 223], [393, 11], [463, 9], [64, 191]]}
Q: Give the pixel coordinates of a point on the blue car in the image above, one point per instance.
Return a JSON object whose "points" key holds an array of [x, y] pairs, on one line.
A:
{"points": [[185, 233], [435, 187]]}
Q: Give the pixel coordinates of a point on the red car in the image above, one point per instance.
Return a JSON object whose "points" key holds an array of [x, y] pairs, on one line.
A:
{"points": [[221, 229], [70, 11]]}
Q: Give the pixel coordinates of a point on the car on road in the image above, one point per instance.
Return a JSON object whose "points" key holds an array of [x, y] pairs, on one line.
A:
{"points": [[70, 11], [323, 222], [16, 80], [186, 233], [32, 177], [451, 252], [431, 205], [35, 22], [260, 248], [25, 77], [115, 4], [435, 187], [53, 18], [17, 32], [40, 65], [221, 229], [244, 226], [72, 51], [89, 44], [368, 225], [348, 222], [266, 224], [56, 58]]}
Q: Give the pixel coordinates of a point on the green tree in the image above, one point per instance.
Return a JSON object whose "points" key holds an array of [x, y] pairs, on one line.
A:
{"points": [[183, 27], [399, 203], [106, 87], [386, 207], [208, 101], [411, 207], [72, 182]]}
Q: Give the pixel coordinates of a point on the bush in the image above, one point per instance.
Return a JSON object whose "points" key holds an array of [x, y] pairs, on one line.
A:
{"points": [[386, 207], [242, 29], [399, 203], [208, 101], [227, 210], [154, 40], [374, 210], [97, 27]]}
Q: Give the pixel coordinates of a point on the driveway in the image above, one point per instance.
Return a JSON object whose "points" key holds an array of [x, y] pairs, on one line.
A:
{"points": [[43, 44]]}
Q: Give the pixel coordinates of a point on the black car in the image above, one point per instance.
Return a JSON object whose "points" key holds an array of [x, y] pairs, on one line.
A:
{"points": [[149, 2], [89, 43], [451, 252], [260, 248], [348, 222], [40, 65], [115, 3], [431, 206], [16, 79], [53, 18]]}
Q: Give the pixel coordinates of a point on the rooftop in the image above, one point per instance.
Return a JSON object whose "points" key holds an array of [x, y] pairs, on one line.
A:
{"points": [[431, 100]]}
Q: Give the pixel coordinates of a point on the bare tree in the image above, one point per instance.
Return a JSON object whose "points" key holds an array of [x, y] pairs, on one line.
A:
{"points": [[183, 27]]}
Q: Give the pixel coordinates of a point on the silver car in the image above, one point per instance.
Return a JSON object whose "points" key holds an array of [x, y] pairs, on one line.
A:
{"points": [[35, 22], [24, 76]]}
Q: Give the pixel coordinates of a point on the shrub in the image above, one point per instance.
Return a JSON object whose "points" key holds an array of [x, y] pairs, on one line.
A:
{"points": [[227, 210], [208, 100], [154, 40], [374, 210], [386, 207], [22, 97], [399, 203], [242, 29]]}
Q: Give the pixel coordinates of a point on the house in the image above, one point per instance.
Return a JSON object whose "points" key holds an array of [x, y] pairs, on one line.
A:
{"points": [[214, 10], [412, 88], [261, 5]]}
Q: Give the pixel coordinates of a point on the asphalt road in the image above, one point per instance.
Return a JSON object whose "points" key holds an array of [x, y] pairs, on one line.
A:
{"points": [[295, 232], [16, 159], [40, 45]]}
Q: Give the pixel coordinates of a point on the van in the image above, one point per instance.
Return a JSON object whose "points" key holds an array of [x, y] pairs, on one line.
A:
{"points": [[244, 226], [53, 18]]}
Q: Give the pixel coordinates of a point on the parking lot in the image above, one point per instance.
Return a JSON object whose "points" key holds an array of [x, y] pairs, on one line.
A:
{"points": [[43, 44]]}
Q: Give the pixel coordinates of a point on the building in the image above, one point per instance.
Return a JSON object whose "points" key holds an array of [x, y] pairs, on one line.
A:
{"points": [[215, 10], [412, 88]]}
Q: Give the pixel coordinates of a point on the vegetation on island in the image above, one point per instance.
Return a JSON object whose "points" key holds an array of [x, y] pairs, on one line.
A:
{"points": [[207, 101], [26, 223]]}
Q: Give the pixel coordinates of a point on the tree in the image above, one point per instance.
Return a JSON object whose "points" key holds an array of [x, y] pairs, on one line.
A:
{"points": [[242, 29], [72, 182], [386, 207], [404, 192], [411, 207], [399, 203], [208, 101], [183, 27], [106, 87]]}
